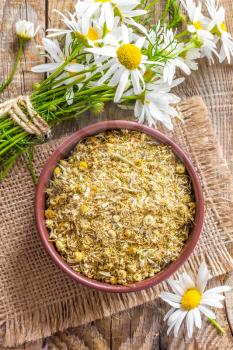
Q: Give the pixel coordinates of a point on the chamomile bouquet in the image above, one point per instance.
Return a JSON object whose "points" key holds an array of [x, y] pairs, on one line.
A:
{"points": [[111, 51]]}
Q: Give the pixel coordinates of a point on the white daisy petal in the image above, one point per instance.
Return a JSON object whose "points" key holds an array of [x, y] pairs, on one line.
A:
{"points": [[109, 15], [202, 277], [216, 296], [122, 85], [47, 67], [172, 325], [170, 312], [176, 287], [206, 311], [69, 95], [74, 67], [53, 50], [116, 76], [140, 42], [108, 74], [136, 83], [220, 289], [171, 296], [85, 25], [170, 302], [133, 23], [125, 34], [141, 118], [174, 316], [197, 317], [211, 302], [187, 281], [106, 51], [179, 322], [190, 323]]}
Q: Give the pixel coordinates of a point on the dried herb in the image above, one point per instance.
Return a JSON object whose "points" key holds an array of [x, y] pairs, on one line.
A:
{"points": [[120, 208]]}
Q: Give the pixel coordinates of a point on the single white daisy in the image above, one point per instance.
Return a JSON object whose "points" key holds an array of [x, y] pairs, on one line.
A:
{"points": [[199, 27], [126, 64], [26, 30], [199, 22], [190, 300], [155, 104], [108, 9], [218, 27], [57, 56], [84, 29]]}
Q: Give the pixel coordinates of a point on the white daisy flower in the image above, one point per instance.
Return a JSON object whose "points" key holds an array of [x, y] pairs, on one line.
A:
{"points": [[199, 26], [108, 9], [26, 30], [218, 27], [198, 21], [155, 104], [126, 65], [56, 55], [57, 58], [190, 300], [82, 27]]}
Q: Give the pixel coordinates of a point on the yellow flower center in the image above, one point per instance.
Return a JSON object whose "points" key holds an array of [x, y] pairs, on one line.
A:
{"points": [[223, 26], [198, 25], [92, 34], [129, 55], [191, 299]]}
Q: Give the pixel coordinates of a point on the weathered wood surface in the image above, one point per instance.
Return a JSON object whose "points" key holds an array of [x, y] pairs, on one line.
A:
{"points": [[141, 327]]}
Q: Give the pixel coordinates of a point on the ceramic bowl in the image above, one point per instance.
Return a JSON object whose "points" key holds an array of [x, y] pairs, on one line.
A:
{"points": [[63, 151]]}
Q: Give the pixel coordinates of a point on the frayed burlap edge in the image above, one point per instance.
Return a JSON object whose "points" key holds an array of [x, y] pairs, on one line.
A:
{"points": [[206, 152], [83, 308]]}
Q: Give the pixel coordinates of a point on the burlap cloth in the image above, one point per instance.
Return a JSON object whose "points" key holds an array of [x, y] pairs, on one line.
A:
{"points": [[37, 299]]}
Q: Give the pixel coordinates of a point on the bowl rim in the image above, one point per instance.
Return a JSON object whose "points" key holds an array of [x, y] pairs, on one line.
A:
{"points": [[62, 151]]}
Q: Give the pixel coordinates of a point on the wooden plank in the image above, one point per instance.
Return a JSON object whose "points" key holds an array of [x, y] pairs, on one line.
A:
{"points": [[10, 12], [141, 327]]}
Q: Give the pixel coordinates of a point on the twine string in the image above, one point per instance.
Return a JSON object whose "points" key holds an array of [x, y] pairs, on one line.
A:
{"points": [[21, 111]]}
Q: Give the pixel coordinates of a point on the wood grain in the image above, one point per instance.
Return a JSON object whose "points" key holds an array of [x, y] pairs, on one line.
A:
{"points": [[10, 11], [141, 327]]}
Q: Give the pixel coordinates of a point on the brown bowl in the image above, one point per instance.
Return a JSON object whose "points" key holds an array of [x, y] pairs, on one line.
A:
{"points": [[63, 151]]}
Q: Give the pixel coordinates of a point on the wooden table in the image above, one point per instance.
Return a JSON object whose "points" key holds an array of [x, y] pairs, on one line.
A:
{"points": [[141, 327]]}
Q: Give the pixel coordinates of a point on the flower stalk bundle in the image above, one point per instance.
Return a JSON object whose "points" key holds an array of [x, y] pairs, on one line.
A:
{"points": [[108, 51]]}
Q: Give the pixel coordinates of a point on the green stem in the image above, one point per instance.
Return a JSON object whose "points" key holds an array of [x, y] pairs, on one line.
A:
{"points": [[30, 165], [8, 132], [180, 35], [11, 76], [166, 10], [9, 163], [152, 4], [15, 140], [216, 325]]}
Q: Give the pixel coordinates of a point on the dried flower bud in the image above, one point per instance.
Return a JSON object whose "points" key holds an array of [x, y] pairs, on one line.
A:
{"points": [[36, 86], [83, 165], [78, 256], [180, 169], [97, 108]]}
